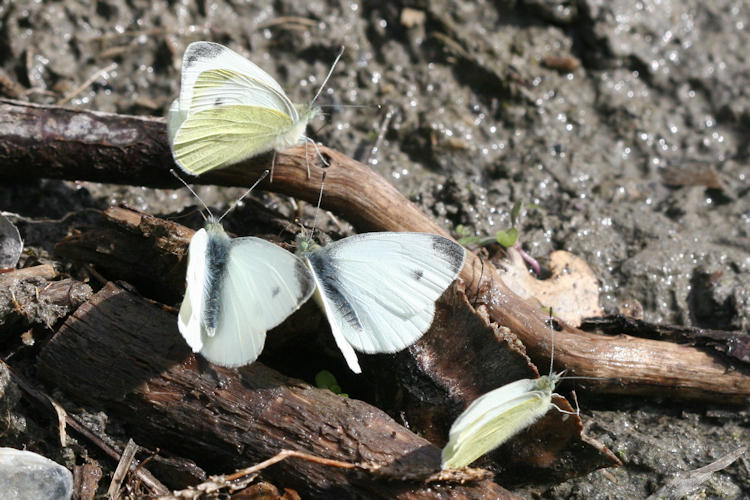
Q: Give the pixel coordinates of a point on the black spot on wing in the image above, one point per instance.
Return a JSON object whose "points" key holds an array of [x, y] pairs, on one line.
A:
{"points": [[202, 51], [417, 274], [217, 253], [218, 101], [275, 291], [453, 253], [331, 287]]}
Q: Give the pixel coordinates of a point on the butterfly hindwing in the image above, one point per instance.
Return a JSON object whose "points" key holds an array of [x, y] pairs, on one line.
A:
{"points": [[220, 137]]}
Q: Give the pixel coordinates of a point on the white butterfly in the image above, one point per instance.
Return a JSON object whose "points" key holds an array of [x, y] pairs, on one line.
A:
{"points": [[230, 110], [496, 416], [378, 290], [237, 289]]}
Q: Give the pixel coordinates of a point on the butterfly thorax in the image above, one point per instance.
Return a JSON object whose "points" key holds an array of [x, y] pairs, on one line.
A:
{"points": [[217, 252], [546, 383], [305, 245]]}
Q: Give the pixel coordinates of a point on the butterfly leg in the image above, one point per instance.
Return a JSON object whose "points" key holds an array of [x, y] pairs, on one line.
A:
{"points": [[317, 150], [307, 161], [273, 164]]}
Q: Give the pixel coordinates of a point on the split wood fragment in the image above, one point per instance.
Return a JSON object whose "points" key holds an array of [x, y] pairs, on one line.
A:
{"points": [[46, 141]]}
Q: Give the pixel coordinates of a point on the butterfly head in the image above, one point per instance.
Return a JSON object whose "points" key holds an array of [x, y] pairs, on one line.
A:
{"points": [[307, 112], [305, 243]]}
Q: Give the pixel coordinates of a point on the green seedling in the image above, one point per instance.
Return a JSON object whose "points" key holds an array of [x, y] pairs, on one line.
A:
{"points": [[326, 380], [508, 238]]}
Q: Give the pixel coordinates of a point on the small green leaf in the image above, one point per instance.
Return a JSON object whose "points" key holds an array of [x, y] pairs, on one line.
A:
{"points": [[469, 240], [507, 238], [326, 380], [515, 212], [462, 231]]}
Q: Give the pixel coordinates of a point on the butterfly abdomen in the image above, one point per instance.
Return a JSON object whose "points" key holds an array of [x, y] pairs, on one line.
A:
{"points": [[217, 252]]}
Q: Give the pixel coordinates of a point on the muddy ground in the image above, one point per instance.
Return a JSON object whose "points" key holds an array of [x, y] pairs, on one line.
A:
{"points": [[625, 123]]}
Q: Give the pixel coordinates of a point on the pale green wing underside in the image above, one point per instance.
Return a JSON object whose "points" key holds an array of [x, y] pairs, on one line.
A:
{"points": [[222, 136], [487, 434]]}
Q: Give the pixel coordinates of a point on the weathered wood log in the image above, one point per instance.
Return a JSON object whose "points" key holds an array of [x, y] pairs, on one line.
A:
{"points": [[121, 353], [47, 141]]}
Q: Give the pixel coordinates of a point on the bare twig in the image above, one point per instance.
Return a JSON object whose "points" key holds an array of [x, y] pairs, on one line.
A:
{"points": [[685, 483], [123, 466], [86, 84]]}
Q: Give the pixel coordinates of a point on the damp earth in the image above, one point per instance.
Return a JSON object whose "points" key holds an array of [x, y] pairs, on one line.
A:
{"points": [[621, 125]]}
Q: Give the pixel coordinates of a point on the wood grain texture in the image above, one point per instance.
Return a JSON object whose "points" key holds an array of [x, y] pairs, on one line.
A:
{"points": [[122, 353]]}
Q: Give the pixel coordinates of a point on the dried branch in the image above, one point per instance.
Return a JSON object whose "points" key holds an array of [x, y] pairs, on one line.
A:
{"points": [[45, 141]]}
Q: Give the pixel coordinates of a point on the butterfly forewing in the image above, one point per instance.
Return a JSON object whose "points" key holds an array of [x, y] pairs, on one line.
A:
{"points": [[205, 56], [381, 287], [222, 87]]}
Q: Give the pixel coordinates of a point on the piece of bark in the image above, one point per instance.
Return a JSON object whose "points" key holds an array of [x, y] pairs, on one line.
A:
{"points": [[43, 271], [121, 353], [86, 480], [143, 250], [47, 141], [734, 344], [29, 299]]}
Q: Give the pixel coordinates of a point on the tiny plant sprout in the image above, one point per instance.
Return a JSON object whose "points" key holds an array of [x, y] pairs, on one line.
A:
{"points": [[326, 380], [507, 238]]}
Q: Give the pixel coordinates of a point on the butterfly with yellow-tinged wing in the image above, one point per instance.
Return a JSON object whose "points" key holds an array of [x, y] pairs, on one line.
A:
{"points": [[230, 110]]}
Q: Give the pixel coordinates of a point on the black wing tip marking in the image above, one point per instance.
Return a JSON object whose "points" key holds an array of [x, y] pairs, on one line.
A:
{"points": [[202, 50], [454, 253]]}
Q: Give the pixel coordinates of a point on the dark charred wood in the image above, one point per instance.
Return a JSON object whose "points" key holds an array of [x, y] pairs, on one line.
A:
{"points": [[28, 298], [121, 353]]}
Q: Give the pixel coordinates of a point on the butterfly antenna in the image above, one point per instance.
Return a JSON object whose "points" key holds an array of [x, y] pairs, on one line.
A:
{"points": [[194, 194], [265, 173], [552, 353], [330, 72], [317, 209]]}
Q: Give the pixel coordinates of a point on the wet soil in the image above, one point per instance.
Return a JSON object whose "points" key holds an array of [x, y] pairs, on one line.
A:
{"points": [[625, 124]]}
